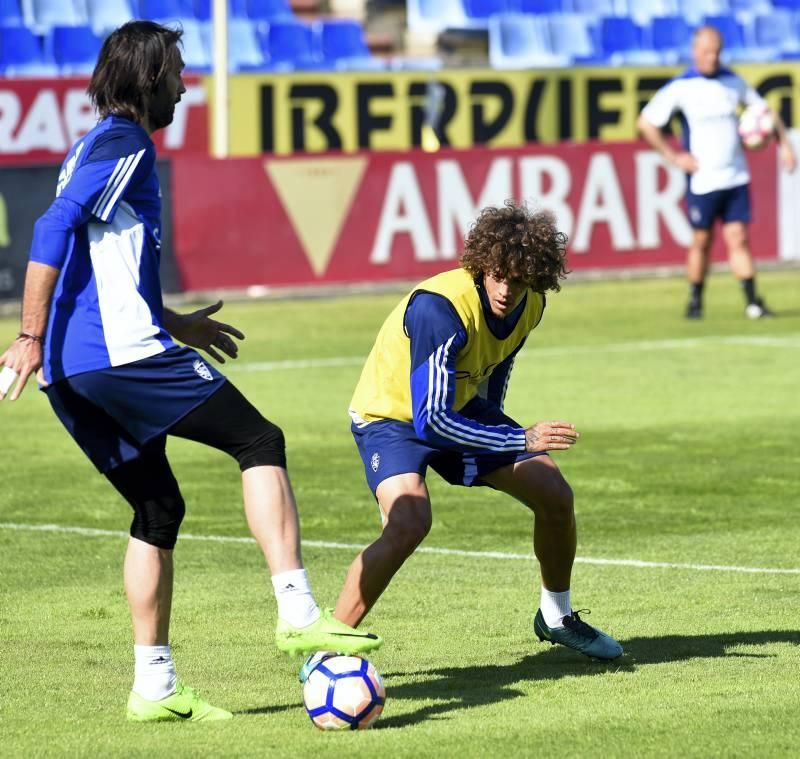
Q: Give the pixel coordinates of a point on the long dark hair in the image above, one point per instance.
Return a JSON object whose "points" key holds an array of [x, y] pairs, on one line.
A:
{"points": [[133, 62]]}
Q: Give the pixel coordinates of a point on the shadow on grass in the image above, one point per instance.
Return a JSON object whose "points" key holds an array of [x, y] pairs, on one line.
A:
{"points": [[455, 688]]}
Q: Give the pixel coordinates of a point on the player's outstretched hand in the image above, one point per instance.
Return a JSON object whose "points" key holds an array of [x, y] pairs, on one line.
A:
{"points": [[788, 158], [200, 331], [550, 436], [23, 358]]}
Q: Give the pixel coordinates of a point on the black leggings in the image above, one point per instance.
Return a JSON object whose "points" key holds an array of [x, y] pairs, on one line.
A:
{"points": [[226, 421]]}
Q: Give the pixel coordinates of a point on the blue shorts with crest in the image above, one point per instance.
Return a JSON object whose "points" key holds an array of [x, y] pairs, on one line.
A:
{"points": [[728, 205], [389, 447]]}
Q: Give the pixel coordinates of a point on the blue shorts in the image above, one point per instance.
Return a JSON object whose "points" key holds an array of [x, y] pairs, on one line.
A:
{"points": [[113, 414], [390, 447], [729, 205]]}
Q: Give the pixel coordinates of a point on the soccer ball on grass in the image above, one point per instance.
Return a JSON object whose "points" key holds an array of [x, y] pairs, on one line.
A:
{"points": [[756, 127], [343, 693]]}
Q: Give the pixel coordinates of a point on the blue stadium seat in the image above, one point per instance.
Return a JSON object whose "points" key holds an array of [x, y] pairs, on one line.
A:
{"points": [[777, 31], [621, 42], [106, 15], [288, 44], [341, 44], [789, 5], [571, 37], [75, 49], [543, 6], [643, 11], [594, 8], [10, 13], [480, 10], [735, 45], [519, 40], [196, 53], [21, 53], [244, 52], [671, 38], [694, 10], [266, 10], [166, 9], [50, 13], [750, 7], [436, 15]]}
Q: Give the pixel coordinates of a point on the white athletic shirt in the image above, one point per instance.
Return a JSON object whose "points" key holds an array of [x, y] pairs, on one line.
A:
{"points": [[708, 106]]}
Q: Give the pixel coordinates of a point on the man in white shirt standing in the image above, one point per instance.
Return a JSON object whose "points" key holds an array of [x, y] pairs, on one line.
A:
{"points": [[708, 97]]}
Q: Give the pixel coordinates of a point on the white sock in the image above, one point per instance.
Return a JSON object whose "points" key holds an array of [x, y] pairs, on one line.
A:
{"points": [[555, 606], [154, 672], [296, 604]]}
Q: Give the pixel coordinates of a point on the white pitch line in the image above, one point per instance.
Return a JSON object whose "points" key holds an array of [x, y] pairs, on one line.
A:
{"points": [[758, 341], [94, 532]]}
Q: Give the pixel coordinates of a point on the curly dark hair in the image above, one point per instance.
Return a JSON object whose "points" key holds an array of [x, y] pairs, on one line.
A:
{"points": [[513, 242]]}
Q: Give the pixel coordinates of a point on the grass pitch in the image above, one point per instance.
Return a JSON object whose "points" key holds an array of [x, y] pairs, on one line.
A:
{"points": [[688, 458]]}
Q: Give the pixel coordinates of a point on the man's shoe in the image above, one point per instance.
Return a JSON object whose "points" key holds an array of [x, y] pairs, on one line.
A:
{"points": [[694, 310], [757, 310], [578, 635], [326, 634], [313, 661], [184, 705]]}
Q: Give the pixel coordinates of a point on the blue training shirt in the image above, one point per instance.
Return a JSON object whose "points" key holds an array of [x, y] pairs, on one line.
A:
{"points": [[103, 233], [435, 329]]}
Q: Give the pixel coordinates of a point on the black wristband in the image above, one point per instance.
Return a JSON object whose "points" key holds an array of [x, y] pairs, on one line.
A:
{"points": [[29, 336]]}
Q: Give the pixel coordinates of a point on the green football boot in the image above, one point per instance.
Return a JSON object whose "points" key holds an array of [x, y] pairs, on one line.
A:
{"points": [[578, 635], [326, 634], [184, 705]]}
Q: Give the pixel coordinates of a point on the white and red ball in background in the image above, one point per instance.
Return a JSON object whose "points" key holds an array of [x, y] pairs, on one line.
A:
{"points": [[756, 127]]}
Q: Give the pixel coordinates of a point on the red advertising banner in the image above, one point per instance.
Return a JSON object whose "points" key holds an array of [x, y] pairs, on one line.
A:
{"points": [[383, 216], [41, 118]]}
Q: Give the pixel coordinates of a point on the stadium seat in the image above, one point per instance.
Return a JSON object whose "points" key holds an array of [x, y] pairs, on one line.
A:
{"points": [[266, 10], [777, 31], [789, 5], [571, 37], [521, 41], [50, 13], [751, 7], [480, 10], [595, 8], [341, 44], [166, 9], [542, 6], [196, 54], [21, 53], [436, 15], [694, 10], [621, 42], [11, 13], [75, 49], [288, 44], [735, 45], [671, 38], [106, 15], [643, 11], [244, 50]]}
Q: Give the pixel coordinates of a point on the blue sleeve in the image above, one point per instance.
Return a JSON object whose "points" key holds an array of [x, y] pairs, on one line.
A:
{"points": [[498, 380], [437, 335], [54, 232], [115, 163]]}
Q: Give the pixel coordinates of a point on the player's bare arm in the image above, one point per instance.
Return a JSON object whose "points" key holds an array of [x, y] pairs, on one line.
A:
{"points": [[24, 355], [655, 138], [788, 156], [198, 330], [550, 436]]}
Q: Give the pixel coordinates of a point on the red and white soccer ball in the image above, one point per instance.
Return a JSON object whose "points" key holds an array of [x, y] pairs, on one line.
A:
{"points": [[756, 127], [343, 693]]}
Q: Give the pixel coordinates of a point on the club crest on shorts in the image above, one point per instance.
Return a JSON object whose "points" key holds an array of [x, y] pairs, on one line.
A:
{"points": [[202, 370], [375, 461]]}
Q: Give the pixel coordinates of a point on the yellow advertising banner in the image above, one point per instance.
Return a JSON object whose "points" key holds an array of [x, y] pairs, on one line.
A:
{"points": [[323, 111]]}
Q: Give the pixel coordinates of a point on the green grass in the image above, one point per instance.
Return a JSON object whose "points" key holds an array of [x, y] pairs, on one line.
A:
{"points": [[689, 454]]}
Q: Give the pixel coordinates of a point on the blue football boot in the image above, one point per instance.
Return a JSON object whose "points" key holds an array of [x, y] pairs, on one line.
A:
{"points": [[578, 635]]}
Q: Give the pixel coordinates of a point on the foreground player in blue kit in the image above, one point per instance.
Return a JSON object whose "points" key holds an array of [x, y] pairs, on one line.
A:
{"points": [[94, 327], [431, 394]]}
